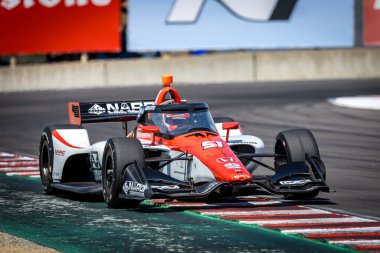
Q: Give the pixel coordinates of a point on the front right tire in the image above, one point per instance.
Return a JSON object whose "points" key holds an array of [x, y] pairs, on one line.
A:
{"points": [[293, 145]]}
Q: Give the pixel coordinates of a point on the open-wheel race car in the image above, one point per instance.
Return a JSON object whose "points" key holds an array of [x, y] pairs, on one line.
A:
{"points": [[176, 151]]}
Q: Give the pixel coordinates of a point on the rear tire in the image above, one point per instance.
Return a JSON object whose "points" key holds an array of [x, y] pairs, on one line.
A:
{"points": [[119, 153], [46, 164], [294, 144]]}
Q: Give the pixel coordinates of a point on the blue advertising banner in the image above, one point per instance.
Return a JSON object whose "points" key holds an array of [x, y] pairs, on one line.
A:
{"points": [[177, 25]]}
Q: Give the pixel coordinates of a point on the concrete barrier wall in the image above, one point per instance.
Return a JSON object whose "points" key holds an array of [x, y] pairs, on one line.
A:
{"points": [[215, 68], [318, 64], [52, 76]]}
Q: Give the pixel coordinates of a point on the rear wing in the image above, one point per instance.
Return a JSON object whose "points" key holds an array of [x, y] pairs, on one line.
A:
{"points": [[94, 112]]}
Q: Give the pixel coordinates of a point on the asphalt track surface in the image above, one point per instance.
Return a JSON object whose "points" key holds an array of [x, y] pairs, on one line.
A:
{"points": [[349, 139]]}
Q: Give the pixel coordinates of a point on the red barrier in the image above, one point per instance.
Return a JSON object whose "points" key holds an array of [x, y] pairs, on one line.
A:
{"points": [[59, 26], [372, 22]]}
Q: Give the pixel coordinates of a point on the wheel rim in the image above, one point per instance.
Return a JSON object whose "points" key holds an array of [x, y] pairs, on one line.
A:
{"points": [[45, 170], [109, 173], [280, 150]]}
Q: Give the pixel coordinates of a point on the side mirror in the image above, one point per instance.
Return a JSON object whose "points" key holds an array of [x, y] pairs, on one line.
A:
{"points": [[150, 129], [229, 126]]}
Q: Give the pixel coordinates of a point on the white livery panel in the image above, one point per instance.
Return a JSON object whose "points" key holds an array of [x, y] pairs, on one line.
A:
{"points": [[66, 143]]}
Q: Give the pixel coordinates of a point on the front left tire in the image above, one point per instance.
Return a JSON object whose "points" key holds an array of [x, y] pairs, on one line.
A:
{"points": [[119, 153]]}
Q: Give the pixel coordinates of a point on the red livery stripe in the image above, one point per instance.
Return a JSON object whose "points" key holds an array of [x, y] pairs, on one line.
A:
{"points": [[63, 141]]}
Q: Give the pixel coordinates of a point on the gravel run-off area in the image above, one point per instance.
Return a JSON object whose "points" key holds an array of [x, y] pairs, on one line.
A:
{"points": [[13, 244]]}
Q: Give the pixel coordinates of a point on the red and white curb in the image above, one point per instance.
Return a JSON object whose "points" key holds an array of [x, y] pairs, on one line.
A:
{"points": [[359, 102], [358, 233], [11, 165]]}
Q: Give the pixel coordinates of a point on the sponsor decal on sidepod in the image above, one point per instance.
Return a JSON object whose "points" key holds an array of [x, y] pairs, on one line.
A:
{"points": [[59, 152]]}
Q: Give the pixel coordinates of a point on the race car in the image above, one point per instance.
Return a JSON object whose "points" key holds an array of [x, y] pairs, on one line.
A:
{"points": [[177, 150]]}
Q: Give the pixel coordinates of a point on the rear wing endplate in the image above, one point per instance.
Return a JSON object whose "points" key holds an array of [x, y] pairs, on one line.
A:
{"points": [[95, 112]]}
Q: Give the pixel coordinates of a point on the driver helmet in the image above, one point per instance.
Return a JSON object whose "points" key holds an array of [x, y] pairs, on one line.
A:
{"points": [[172, 121]]}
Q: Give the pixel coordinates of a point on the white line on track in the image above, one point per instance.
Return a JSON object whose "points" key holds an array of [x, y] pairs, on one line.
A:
{"points": [[17, 159], [37, 173], [303, 221], [238, 204], [331, 230], [11, 163], [4, 154], [359, 102], [253, 212], [356, 242]]}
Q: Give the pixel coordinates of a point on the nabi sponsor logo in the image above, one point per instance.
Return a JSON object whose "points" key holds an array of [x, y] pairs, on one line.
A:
{"points": [[96, 109]]}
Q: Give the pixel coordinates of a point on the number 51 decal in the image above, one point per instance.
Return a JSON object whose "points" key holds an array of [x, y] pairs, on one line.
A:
{"points": [[212, 144]]}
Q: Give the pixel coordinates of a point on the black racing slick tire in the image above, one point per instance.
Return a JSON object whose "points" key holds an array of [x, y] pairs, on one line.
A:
{"points": [[223, 119], [293, 145], [119, 153], [46, 163]]}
